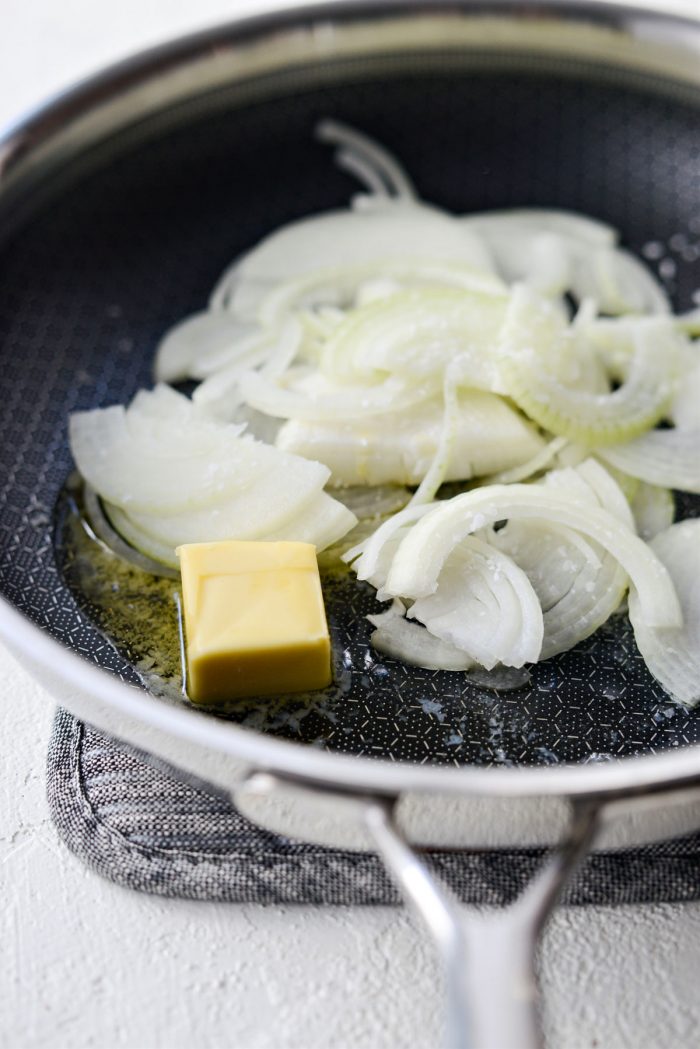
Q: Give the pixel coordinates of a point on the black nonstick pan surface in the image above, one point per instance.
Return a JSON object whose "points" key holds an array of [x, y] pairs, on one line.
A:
{"points": [[131, 238]]}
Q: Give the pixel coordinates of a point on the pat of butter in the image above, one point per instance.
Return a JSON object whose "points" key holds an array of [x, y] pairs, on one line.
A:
{"points": [[254, 619]]}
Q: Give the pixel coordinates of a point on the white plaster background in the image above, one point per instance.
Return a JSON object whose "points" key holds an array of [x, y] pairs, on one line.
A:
{"points": [[84, 963]]}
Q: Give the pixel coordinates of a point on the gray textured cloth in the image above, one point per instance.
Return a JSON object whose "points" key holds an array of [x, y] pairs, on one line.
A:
{"points": [[146, 830]]}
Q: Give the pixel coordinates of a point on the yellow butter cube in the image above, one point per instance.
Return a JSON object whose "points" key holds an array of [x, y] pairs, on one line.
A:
{"points": [[255, 623]]}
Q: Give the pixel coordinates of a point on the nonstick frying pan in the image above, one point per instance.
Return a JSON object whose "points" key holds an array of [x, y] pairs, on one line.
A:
{"points": [[120, 204]]}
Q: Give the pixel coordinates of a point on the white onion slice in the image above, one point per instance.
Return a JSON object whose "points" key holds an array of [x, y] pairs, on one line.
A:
{"points": [[685, 407], [668, 458], [350, 402], [185, 346], [345, 286], [509, 633], [398, 447], [411, 643], [159, 466], [653, 510], [338, 239], [577, 584], [673, 656], [322, 522], [418, 333], [419, 560], [538, 462], [444, 456], [534, 348], [551, 556], [372, 552], [607, 491], [163, 553], [571, 224], [385, 167]]}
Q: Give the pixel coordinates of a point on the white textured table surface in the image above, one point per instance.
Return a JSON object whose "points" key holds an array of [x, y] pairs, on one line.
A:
{"points": [[84, 963]]}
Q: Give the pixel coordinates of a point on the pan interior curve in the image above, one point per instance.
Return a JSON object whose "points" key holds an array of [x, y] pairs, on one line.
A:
{"points": [[136, 239]]}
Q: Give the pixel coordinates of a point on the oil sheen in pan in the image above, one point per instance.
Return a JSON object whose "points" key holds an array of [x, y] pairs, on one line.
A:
{"points": [[594, 703]]}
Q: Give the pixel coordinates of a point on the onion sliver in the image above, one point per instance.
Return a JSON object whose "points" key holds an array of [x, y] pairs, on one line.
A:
{"points": [[343, 287], [378, 159], [186, 344], [588, 231], [668, 458], [160, 466], [163, 553], [653, 510], [607, 491], [578, 585], [551, 556], [533, 348], [685, 408], [335, 239], [352, 402], [539, 461], [263, 508], [411, 643], [416, 567], [510, 634], [322, 522], [673, 656], [398, 447], [418, 333], [118, 542], [371, 549]]}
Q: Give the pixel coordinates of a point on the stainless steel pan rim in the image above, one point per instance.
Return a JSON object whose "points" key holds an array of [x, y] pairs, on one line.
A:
{"points": [[626, 776]]}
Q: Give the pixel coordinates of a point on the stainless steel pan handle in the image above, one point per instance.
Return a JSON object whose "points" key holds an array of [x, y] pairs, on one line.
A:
{"points": [[488, 956]]}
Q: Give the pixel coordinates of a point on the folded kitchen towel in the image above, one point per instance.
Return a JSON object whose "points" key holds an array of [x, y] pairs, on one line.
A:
{"points": [[147, 830]]}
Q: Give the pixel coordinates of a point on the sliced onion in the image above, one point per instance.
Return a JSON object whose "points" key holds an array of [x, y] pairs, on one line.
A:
{"points": [[385, 167], [668, 458], [653, 510], [685, 407], [159, 466], [509, 633], [539, 461], [551, 555], [673, 656], [146, 545], [411, 643], [184, 348], [418, 333], [578, 585], [345, 286], [352, 402], [337, 239], [398, 447], [416, 567], [607, 491], [374, 553], [531, 361], [322, 522], [439, 468], [570, 224], [158, 560]]}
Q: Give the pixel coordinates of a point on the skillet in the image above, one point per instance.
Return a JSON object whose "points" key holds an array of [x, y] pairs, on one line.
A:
{"points": [[121, 203]]}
